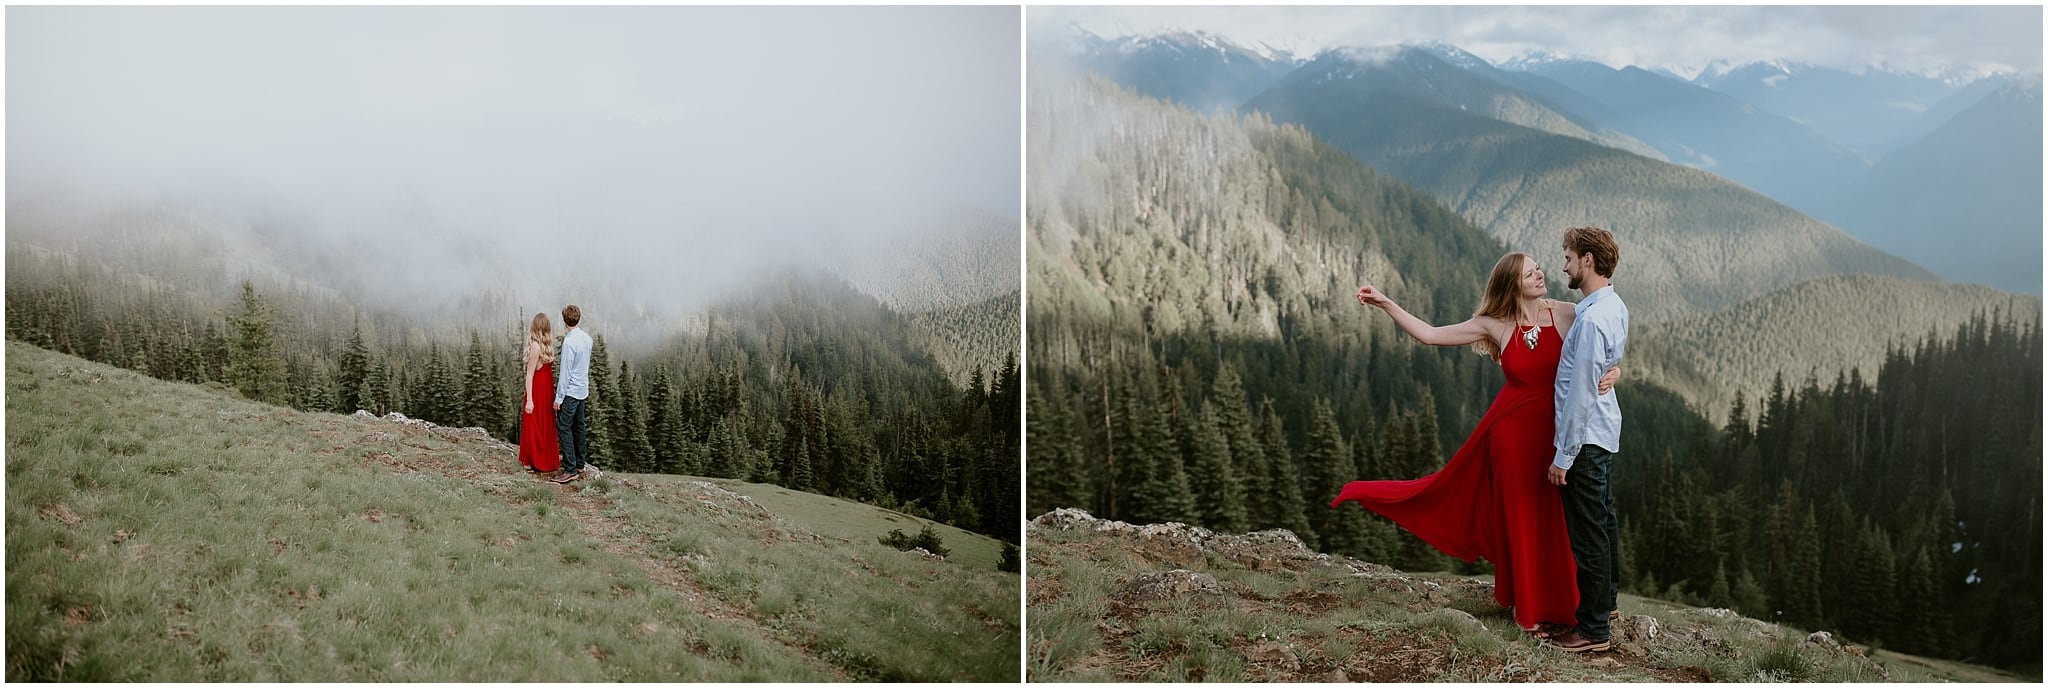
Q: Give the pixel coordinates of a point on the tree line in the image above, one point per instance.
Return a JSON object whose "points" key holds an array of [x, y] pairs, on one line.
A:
{"points": [[806, 384]]}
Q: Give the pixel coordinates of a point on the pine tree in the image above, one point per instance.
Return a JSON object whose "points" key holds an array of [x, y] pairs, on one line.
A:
{"points": [[213, 355], [1749, 597], [1248, 458], [1803, 601], [1873, 586], [256, 360], [442, 400], [1288, 505], [664, 423], [352, 372], [377, 389], [599, 407], [629, 425], [1917, 603], [1330, 465], [482, 397], [1219, 496]]}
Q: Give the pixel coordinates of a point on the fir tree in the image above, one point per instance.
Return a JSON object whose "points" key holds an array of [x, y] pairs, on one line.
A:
{"points": [[664, 423], [598, 409], [629, 426], [442, 400], [1219, 496], [256, 360], [1330, 465], [482, 397], [1288, 505], [352, 372]]}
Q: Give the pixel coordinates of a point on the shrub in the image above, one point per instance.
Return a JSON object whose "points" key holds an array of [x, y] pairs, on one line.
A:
{"points": [[1009, 562], [926, 538]]}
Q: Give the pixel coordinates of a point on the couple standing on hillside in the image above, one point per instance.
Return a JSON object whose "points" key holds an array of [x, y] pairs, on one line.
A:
{"points": [[1528, 491], [556, 440]]}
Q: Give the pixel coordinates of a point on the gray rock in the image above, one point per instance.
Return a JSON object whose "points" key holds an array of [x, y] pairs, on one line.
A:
{"points": [[363, 415], [1641, 629], [1066, 519], [1163, 585], [1825, 640]]}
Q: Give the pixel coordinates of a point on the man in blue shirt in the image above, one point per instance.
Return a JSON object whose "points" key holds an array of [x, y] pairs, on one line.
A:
{"points": [[1589, 432], [572, 397]]}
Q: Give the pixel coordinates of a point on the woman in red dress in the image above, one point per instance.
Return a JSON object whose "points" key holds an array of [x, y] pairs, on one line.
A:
{"points": [[1491, 500], [539, 451]]}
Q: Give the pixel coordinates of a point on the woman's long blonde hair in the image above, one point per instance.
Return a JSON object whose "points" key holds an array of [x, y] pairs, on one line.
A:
{"points": [[542, 332], [1502, 299]]}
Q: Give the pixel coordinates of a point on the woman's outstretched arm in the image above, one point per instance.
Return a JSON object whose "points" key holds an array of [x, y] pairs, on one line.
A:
{"points": [[1468, 332]]}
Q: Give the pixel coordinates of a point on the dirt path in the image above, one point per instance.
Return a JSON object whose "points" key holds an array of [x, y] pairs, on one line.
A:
{"points": [[588, 511], [408, 448]]}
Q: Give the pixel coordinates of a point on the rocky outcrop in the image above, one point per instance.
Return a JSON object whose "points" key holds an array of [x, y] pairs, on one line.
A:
{"points": [[1186, 545]]}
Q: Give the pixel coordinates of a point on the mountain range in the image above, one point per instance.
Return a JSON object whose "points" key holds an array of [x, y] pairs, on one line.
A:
{"points": [[1834, 146]]}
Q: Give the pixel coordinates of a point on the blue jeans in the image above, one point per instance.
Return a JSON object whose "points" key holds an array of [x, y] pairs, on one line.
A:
{"points": [[572, 429], [1596, 537]]}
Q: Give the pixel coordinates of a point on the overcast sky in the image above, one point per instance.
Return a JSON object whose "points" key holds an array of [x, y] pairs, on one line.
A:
{"points": [[1680, 38], [691, 143]]}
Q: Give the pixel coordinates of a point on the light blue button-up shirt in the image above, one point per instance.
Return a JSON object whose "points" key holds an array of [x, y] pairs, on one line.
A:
{"points": [[1584, 416], [575, 379]]}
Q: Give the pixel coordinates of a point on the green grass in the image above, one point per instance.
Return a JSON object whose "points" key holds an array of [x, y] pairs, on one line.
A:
{"points": [[163, 532], [927, 620], [857, 522]]}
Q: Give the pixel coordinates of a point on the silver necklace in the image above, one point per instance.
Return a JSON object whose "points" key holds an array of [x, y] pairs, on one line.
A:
{"points": [[1529, 336]]}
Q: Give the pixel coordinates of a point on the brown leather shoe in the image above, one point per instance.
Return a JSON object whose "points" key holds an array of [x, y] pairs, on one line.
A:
{"points": [[1574, 643]]}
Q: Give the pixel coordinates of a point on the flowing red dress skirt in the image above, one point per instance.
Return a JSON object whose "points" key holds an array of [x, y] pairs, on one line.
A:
{"points": [[1493, 499], [538, 447]]}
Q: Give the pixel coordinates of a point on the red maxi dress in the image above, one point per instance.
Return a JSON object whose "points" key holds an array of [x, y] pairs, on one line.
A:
{"points": [[538, 447], [1493, 499]]}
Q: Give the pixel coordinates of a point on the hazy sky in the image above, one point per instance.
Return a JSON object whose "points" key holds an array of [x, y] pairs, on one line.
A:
{"points": [[686, 143], [1681, 38]]}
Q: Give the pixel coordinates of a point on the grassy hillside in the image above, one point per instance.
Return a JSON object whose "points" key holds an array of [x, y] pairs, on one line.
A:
{"points": [[168, 532], [1822, 327], [1114, 602]]}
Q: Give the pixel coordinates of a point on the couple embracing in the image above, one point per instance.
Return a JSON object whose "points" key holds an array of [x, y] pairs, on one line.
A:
{"points": [[1528, 491], [554, 444]]}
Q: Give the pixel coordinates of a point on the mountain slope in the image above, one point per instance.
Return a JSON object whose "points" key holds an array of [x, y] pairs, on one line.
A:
{"points": [[1861, 111], [1691, 241], [1228, 225], [1966, 200], [956, 280], [1445, 76], [1696, 126], [163, 531], [1110, 601], [970, 336], [1824, 327]]}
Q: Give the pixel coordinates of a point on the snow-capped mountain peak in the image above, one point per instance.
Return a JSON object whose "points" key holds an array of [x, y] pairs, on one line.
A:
{"points": [[1455, 55], [1537, 59], [1189, 43]]}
